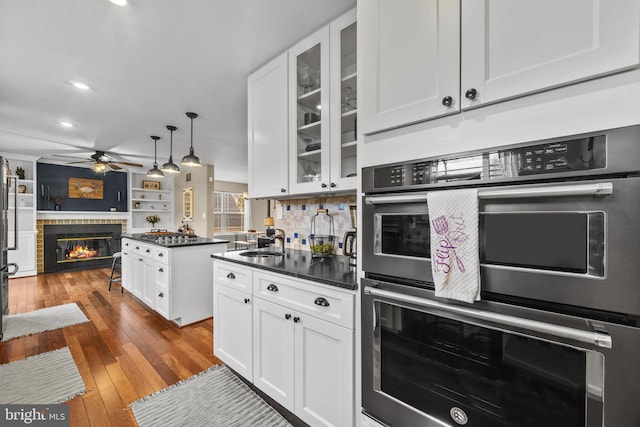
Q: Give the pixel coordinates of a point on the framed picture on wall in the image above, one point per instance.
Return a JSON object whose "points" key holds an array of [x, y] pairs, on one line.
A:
{"points": [[151, 185]]}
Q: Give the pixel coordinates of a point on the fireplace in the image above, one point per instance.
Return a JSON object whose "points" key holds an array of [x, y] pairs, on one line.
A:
{"points": [[80, 246]]}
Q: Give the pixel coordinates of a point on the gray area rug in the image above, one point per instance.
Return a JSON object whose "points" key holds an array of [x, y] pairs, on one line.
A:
{"points": [[215, 397], [45, 378], [44, 319]]}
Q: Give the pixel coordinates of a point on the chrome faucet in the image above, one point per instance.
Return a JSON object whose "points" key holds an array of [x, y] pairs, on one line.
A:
{"points": [[280, 236]]}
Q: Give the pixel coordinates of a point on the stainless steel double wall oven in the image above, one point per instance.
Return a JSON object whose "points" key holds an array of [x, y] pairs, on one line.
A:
{"points": [[556, 337]]}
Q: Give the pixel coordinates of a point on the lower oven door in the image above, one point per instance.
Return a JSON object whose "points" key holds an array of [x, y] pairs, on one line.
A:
{"points": [[427, 363]]}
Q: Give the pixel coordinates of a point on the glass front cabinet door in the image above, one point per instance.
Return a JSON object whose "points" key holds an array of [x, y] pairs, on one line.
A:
{"points": [[308, 125], [344, 103]]}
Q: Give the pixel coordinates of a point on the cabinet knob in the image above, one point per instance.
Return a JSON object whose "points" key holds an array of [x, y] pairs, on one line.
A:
{"points": [[148, 250], [161, 294], [447, 101], [287, 316], [471, 93], [272, 288], [246, 300], [126, 244], [140, 259], [323, 185], [231, 276], [137, 247], [283, 190], [321, 302], [160, 254], [332, 185], [161, 270], [296, 319]]}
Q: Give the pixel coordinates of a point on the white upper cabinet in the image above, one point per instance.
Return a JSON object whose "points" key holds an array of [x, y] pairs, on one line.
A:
{"points": [[410, 61], [309, 136], [512, 48], [268, 129], [424, 59], [344, 102]]}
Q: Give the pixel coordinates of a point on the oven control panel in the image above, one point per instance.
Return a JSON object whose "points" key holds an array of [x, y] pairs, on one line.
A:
{"points": [[573, 155]]}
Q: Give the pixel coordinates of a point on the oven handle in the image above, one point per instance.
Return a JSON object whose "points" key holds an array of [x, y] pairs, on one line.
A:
{"points": [[597, 189], [597, 338]]}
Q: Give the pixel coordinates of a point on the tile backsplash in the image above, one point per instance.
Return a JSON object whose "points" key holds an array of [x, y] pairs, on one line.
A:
{"points": [[297, 215]]}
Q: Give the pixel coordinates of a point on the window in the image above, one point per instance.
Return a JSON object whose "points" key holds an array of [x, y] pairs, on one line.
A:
{"points": [[228, 211]]}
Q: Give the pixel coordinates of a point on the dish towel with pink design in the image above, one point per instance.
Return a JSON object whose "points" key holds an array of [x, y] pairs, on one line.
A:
{"points": [[455, 264]]}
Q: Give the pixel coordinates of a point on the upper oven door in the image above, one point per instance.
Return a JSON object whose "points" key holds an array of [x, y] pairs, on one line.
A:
{"points": [[566, 243]]}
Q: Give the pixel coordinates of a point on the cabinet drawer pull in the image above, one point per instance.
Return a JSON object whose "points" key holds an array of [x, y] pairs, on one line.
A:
{"points": [[332, 185], [137, 248], [447, 101], [471, 93], [322, 302], [231, 276], [246, 300], [323, 185], [272, 288], [283, 190], [148, 250], [160, 254], [161, 270], [161, 295], [126, 244], [296, 319], [287, 316], [140, 259]]}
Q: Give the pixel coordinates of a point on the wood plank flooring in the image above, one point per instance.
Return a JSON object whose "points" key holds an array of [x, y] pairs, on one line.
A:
{"points": [[125, 352]]}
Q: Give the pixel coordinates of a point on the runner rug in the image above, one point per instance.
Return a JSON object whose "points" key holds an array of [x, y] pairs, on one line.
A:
{"points": [[44, 319], [215, 397], [45, 378]]}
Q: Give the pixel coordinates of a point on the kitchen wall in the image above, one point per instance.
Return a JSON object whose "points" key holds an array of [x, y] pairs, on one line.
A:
{"points": [[297, 215], [53, 180], [201, 180]]}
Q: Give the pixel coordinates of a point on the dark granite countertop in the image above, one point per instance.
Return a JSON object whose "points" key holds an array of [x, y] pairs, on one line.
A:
{"points": [[151, 238], [333, 270]]}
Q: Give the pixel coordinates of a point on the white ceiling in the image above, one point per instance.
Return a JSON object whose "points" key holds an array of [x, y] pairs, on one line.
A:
{"points": [[148, 64]]}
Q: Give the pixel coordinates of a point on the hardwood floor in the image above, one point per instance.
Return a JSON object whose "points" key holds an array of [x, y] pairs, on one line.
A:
{"points": [[125, 352]]}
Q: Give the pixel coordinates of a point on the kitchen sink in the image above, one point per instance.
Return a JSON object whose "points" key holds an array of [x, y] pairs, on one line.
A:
{"points": [[261, 254]]}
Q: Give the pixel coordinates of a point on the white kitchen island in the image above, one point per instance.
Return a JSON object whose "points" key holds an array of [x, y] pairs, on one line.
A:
{"points": [[173, 277]]}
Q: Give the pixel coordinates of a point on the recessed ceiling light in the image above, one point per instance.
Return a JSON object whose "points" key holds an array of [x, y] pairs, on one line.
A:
{"points": [[80, 85], [66, 124], [120, 2]]}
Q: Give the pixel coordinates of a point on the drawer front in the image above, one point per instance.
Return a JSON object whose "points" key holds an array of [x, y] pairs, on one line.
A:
{"points": [[307, 297], [161, 274], [160, 255], [233, 275], [161, 300]]}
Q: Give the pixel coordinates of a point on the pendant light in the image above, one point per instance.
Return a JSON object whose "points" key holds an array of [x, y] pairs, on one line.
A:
{"points": [[155, 172], [170, 167], [191, 159]]}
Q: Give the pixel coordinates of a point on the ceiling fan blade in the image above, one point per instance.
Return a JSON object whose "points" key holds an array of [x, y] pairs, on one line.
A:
{"points": [[80, 161], [71, 157], [138, 165], [114, 166]]}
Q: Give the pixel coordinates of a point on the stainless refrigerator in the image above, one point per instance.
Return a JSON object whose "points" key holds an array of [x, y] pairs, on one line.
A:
{"points": [[5, 245]]}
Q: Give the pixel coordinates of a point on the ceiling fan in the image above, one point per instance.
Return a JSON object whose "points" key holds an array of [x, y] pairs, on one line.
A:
{"points": [[103, 162]]}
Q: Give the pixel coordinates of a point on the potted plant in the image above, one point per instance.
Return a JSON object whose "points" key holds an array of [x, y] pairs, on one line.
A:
{"points": [[57, 201], [153, 219], [20, 172]]}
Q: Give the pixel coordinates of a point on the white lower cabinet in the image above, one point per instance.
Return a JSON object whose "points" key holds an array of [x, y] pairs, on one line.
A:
{"points": [[232, 334], [172, 281], [292, 338]]}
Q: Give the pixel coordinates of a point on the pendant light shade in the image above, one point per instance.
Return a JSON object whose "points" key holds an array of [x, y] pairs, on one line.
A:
{"points": [[170, 167], [191, 159], [155, 172]]}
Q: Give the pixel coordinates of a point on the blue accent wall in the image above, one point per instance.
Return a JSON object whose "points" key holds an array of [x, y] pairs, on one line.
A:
{"points": [[54, 180]]}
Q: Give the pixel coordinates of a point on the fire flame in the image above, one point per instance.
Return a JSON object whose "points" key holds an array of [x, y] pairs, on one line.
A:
{"points": [[82, 252]]}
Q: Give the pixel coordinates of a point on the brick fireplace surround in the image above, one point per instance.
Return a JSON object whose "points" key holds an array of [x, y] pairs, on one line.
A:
{"points": [[40, 223]]}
